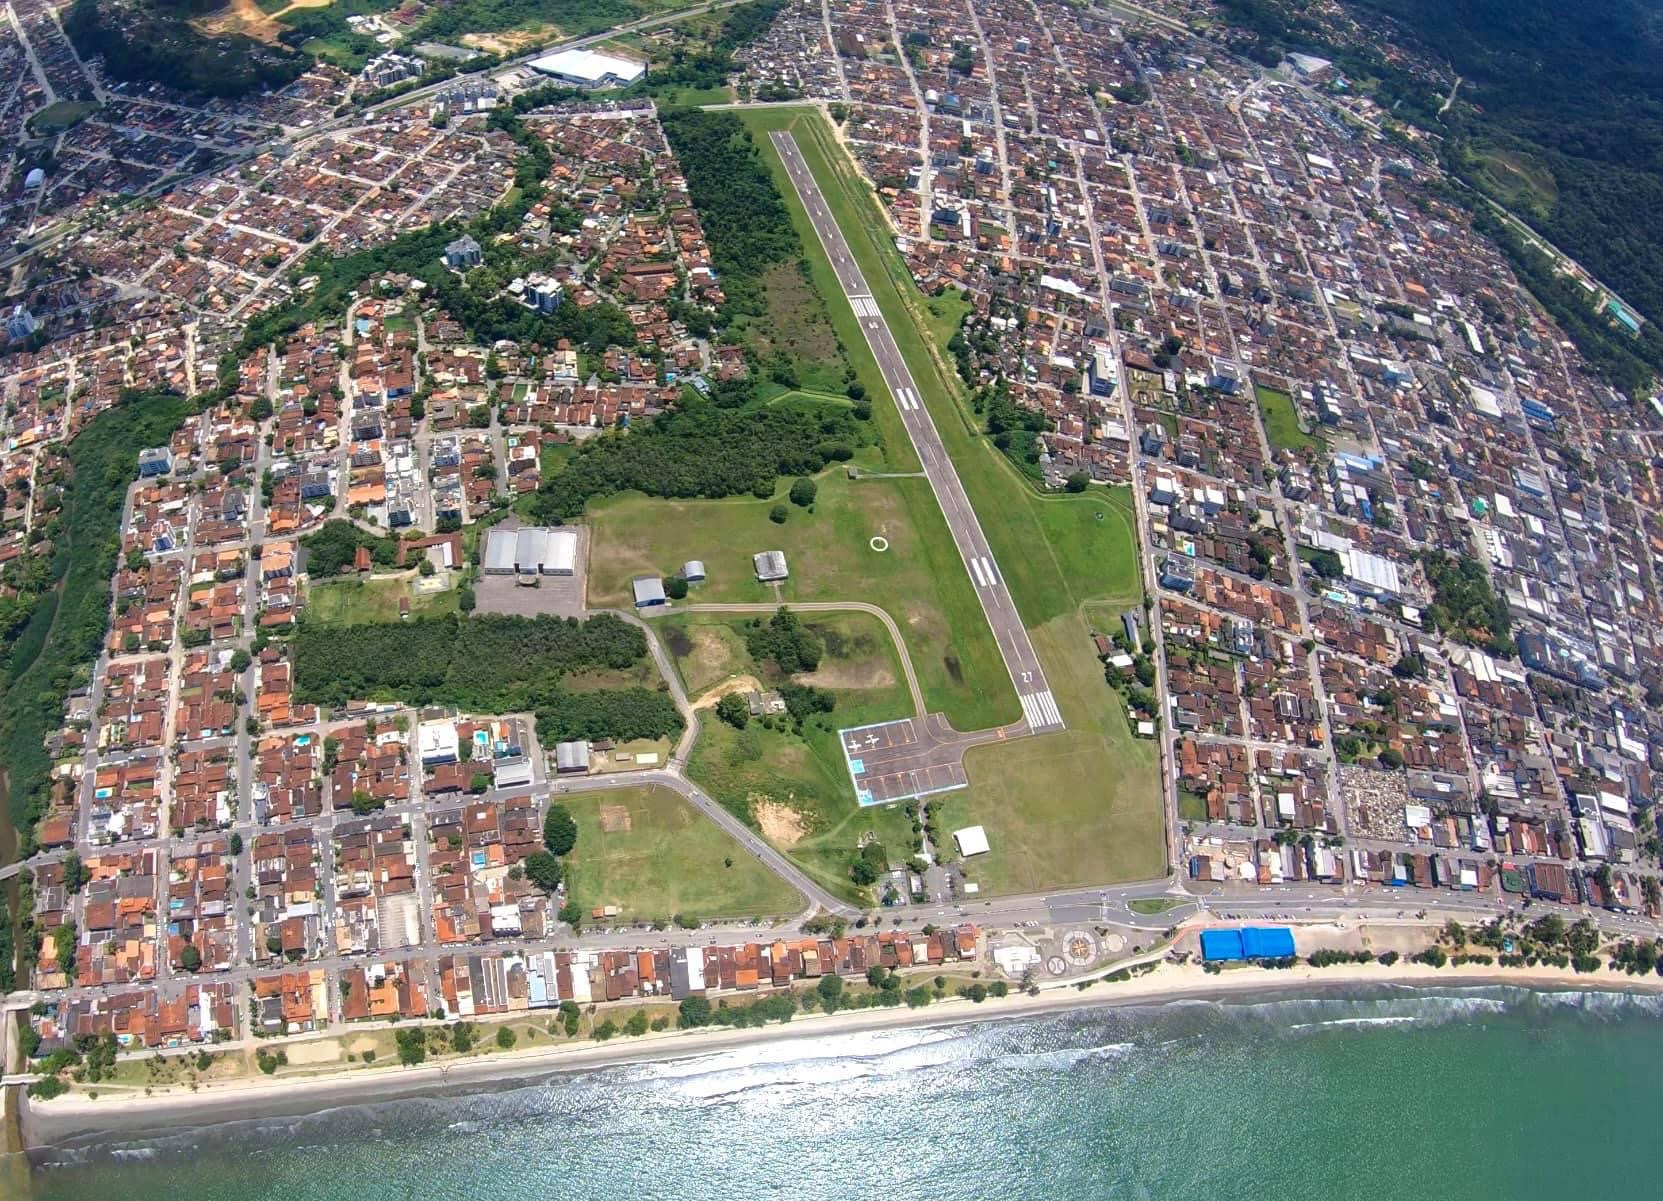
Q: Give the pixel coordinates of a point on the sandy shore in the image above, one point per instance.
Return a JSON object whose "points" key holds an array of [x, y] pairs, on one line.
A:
{"points": [[58, 1121]]}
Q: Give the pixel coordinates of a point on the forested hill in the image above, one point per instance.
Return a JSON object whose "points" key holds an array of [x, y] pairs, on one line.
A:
{"points": [[143, 41], [1572, 88]]}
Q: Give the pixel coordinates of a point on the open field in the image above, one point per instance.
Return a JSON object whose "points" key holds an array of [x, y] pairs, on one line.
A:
{"points": [[1281, 421], [919, 580], [653, 855], [1082, 806], [364, 602], [65, 114], [1517, 180], [796, 791], [709, 649], [795, 788]]}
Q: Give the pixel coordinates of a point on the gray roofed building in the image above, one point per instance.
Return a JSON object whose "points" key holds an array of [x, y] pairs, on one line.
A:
{"points": [[649, 590], [531, 547], [571, 757], [499, 552], [692, 571], [770, 565]]}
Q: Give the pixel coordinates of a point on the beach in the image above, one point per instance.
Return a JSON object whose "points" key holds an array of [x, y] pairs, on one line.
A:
{"points": [[49, 1123]]}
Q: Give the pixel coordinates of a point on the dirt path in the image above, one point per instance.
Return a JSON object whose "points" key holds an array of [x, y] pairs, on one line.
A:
{"points": [[735, 684]]}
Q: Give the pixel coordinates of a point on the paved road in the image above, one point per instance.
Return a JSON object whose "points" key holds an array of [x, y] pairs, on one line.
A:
{"points": [[736, 829], [1039, 707]]}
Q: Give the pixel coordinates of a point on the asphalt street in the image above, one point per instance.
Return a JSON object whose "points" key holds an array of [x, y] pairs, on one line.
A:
{"points": [[1039, 707]]}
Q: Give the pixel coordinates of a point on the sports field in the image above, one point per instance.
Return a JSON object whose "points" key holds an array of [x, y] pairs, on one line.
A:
{"points": [[1082, 806], [653, 855], [1281, 421]]}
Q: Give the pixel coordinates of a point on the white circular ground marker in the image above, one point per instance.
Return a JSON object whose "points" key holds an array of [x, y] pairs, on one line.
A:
{"points": [[880, 544]]}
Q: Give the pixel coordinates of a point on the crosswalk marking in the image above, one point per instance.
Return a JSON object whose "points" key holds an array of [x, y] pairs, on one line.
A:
{"points": [[1040, 708], [864, 306]]}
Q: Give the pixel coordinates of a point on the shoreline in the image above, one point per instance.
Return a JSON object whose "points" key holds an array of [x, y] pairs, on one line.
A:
{"points": [[58, 1122]]}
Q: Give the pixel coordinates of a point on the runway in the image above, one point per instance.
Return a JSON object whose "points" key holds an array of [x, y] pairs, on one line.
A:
{"points": [[1039, 706]]}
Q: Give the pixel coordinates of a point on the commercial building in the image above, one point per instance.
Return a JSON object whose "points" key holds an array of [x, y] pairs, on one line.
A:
{"points": [[589, 69], [499, 552], [531, 552], [155, 460], [972, 840], [571, 758], [1247, 942]]}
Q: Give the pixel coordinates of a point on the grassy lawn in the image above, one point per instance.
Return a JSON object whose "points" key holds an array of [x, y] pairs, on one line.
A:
{"points": [[65, 114], [796, 791], [1152, 905], [653, 855], [860, 662], [919, 580], [946, 311], [691, 97], [363, 602], [553, 457], [1281, 421], [1077, 807], [795, 788]]}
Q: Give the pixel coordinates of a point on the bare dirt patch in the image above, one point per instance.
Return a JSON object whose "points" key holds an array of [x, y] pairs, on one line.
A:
{"points": [[736, 684], [850, 673], [361, 1044], [615, 819], [511, 41], [244, 17], [781, 825], [326, 1050]]}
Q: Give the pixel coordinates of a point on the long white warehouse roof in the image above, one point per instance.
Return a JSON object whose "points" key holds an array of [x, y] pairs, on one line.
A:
{"points": [[589, 66]]}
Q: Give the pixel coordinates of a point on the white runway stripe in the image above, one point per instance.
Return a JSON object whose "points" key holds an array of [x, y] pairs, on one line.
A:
{"points": [[992, 576], [1040, 710], [976, 570]]}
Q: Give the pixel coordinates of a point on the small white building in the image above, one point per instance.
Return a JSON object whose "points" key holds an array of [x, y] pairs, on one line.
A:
{"points": [[972, 840]]}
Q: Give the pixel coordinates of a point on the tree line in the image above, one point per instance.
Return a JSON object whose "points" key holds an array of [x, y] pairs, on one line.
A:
{"points": [[702, 450], [488, 664], [745, 219], [68, 622]]}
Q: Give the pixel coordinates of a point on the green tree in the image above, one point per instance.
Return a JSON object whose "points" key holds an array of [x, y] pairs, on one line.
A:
{"points": [[803, 492], [559, 830], [675, 587], [637, 1024], [734, 710], [778, 514], [543, 870], [694, 1012], [506, 1038], [190, 958], [1079, 481]]}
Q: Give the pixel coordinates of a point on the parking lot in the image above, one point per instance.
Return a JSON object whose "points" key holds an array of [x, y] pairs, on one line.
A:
{"points": [[899, 760], [558, 595]]}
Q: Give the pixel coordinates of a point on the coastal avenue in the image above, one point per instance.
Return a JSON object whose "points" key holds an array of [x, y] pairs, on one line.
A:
{"points": [[1039, 707]]}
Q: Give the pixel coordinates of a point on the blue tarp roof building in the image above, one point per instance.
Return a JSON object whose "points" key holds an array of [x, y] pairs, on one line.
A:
{"points": [[1249, 942]]}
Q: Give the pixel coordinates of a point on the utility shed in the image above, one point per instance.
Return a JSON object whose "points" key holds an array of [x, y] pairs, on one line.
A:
{"points": [[649, 591], [693, 571], [770, 565]]}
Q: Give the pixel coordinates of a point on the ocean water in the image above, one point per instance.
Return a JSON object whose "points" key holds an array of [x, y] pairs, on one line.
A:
{"points": [[1449, 1094]]}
